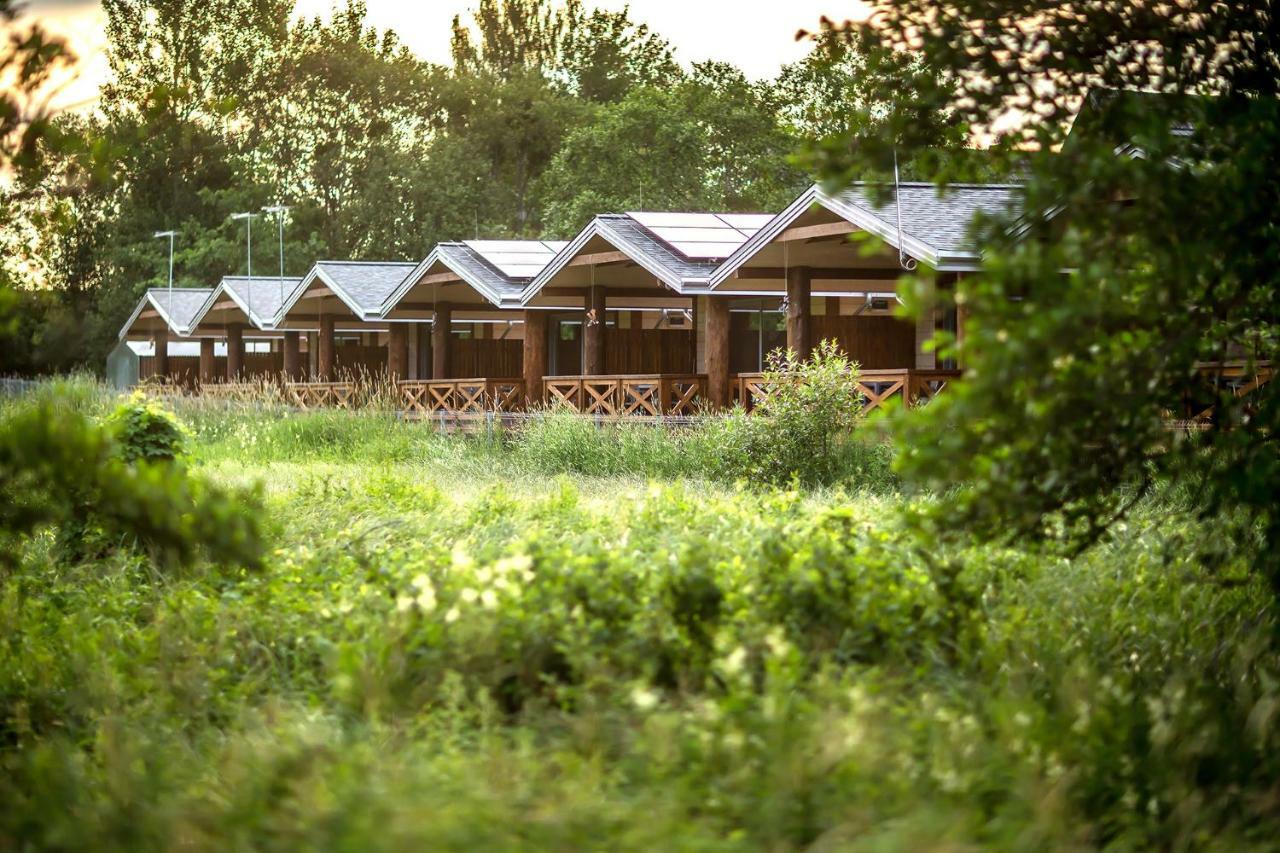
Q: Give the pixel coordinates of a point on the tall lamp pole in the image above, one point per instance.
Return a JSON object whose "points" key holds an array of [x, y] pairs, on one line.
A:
{"points": [[248, 251], [170, 235], [280, 210]]}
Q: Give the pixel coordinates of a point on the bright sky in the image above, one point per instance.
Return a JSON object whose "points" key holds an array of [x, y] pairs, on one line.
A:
{"points": [[756, 35]]}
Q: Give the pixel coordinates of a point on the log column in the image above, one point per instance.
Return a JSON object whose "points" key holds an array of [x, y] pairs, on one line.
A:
{"points": [[799, 307], [716, 351], [324, 361], [397, 351], [535, 355], [235, 351], [292, 356], [160, 363], [207, 361], [440, 333], [593, 333]]}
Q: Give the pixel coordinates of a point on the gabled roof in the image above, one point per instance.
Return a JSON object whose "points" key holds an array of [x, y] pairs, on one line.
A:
{"points": [[679, 249], [361, 285], [499, 270], [934, 227], [259, 297], [178, 307]]}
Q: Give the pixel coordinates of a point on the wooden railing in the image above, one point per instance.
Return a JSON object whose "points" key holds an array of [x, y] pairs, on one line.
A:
{"points": [[237, 392], [877, 387], [461, 396], [646, 395], [323, 395]]}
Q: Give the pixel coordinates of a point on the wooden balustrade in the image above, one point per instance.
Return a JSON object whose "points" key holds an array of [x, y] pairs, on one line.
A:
{"points": [[877, 387], [461, 396], [648, 395], [240, 392], [323, 395]]}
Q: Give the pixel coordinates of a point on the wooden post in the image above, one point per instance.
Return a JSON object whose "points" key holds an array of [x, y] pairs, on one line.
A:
{"points": [[325, 347], [235, 351], [593, 333], [292, 356], [206, 361], [716, 351], [799, 324], [535, 355], [411, 359], [397, 351], [160, 363], [440, 333]]}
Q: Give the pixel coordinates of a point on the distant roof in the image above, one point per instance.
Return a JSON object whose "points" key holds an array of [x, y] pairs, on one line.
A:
{"points": [[362, 285], [677, 248], [935, 220], [259, 297], [499, 270], [178, 307]]}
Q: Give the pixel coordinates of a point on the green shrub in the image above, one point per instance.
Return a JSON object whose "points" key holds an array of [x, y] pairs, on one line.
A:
{"points": [[144, 429]]}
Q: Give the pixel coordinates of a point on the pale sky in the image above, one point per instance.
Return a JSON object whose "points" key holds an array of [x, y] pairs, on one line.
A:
{"points": [[756, 35]]}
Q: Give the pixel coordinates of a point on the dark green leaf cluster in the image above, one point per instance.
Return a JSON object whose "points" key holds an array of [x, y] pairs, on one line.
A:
{"points": [[1143, 255], [144, 429], [60, 471]]}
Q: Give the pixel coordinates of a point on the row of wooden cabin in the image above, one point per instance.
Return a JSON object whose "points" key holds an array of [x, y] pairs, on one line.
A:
{"points": [[682, 307]]}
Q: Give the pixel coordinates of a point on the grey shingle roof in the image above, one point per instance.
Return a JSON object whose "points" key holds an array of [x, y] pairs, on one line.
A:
{"points": [[472, 266], [935, 227], [179, 311], [260, 294], [939, 221], [364, 284]]}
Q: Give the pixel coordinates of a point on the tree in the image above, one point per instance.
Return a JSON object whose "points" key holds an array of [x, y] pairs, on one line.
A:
{"points": [[1145, 247]]}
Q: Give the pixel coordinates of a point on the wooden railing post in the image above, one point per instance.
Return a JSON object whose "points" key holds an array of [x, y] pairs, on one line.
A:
{"points": [[292, 356], [799, 307], [235, 351], [207, 361], [397, 351], [535, 355], [160, 362], [716, 352]]}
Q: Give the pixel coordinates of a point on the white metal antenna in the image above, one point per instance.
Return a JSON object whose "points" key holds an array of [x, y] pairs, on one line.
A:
{"points": [[280, 210], [248, 253]]}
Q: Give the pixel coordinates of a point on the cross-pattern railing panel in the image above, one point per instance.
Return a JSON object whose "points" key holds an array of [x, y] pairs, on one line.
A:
{"points": [[646, 395], [323, 395], [461, 396]]}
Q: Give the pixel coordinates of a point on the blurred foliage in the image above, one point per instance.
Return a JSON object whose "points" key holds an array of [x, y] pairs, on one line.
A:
{"points": [[542, 664], [1143, 246], [62, 472]]}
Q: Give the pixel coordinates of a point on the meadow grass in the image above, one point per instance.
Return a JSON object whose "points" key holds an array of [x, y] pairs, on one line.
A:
{"points": [[454, 644]]}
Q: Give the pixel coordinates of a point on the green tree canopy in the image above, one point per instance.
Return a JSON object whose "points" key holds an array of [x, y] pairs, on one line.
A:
{"points": [[1145, 248]]}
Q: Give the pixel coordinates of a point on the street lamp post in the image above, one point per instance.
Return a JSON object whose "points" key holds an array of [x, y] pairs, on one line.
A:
{"points": [[248, 251], [170, 235], [280, 210]]}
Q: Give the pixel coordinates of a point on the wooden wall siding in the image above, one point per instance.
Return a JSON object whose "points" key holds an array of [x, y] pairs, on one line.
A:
{"points": [[357, 359], [876, 343], [185, 369], [478, 358], [643, 351]]}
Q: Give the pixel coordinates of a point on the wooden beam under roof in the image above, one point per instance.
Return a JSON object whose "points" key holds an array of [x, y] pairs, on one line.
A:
{"points": [[843, 274], [611, 291], [599, 258], [811, 232]]}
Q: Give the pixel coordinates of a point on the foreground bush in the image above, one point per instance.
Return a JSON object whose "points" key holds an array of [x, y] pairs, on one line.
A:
{"points": [[678, 666]]}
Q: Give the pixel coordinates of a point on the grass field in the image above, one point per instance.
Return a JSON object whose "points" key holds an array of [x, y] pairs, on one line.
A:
{"points": [[470, 644]]}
